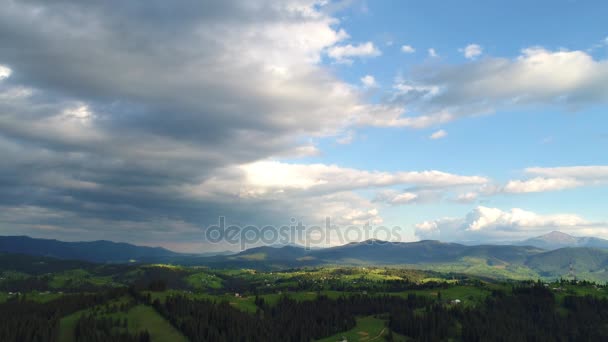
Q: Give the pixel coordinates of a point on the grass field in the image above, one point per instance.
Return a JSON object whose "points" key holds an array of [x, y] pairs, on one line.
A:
{"points": [[468, 295], [367, 329], [204, 280], [78, 277], [481, 267], [68, 323], [139, 318], [144, 317]]}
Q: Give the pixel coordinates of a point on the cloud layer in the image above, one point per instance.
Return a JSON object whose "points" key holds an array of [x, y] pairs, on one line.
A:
{"points": [[493, 224], [115, 111]]}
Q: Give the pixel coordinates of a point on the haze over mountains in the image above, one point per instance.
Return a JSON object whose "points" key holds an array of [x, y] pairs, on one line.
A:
{"points": [[537, 257]]}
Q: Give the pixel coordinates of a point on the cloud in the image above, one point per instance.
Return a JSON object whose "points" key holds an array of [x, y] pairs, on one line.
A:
{"points": [[467, 197], [433, 53], [369, 81], [407, 49], [493, 224], [472, 51], [540, 184], [559, 178], [412, 196], [587, 173], [269, 178], [5, 72], [114, 114], [343, 53], [567, 80], [439, 134]]}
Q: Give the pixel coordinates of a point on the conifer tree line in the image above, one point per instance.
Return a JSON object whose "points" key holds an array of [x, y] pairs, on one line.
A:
{"points": [[528, 312]]}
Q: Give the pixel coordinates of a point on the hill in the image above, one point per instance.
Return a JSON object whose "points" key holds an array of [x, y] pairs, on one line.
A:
{"points": [[556, 240], [587, 263], [93, 251]]}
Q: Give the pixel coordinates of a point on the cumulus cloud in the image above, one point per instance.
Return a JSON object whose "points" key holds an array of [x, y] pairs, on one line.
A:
{"points": [[408, 49], [344, 53], [493, 224], [433, 53], [439, 134], [472, 51], [567, 80]]}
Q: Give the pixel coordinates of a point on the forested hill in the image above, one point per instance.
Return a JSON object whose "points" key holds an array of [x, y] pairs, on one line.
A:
{"points": [[93, 251], [496, 261]]}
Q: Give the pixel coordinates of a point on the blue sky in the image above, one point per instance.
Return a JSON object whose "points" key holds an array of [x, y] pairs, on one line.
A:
{"points": [[499, 145], [455, 120]]}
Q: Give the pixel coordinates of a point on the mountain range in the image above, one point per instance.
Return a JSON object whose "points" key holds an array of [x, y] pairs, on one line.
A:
{"points": [[527, 259], [94, 251]]}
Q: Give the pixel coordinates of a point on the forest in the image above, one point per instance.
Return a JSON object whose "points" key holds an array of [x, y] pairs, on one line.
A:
{"points": [[523, 311]]}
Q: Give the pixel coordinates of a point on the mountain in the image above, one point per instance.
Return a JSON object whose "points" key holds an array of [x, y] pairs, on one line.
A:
{"points": [[381, 252], [586, 263], [556, 240], [493, 261], [496, 261], [93, 251], [39, 265], [373, 253]]}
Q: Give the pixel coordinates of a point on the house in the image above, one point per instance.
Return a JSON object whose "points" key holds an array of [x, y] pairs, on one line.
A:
{"points": [[455, 302]]}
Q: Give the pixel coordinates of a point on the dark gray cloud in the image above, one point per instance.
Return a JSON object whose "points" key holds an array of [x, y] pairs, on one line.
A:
{"points": [[114, 111]]}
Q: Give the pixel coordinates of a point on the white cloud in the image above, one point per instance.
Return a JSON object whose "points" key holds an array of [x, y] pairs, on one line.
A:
{"points": [[267, 177], [559, 178], [439, 134], [433, 53], [567, 80], [343, 53], [5, 72], [472, 51], [393, 197], [590, 172], [540, 184], [407, 49], [369, 81], [493, 224], [467, 197]]}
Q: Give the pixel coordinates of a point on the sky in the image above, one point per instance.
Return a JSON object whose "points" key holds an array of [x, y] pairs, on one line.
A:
{"points": [[466, 121]]}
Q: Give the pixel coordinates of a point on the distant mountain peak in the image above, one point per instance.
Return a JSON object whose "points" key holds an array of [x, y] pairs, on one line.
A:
{"points": [[557, 236], [557, 239]]}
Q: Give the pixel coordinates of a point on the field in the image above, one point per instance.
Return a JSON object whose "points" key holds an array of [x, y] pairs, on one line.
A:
{"points": [[145, 288], [367, 329], [139, 318]]}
